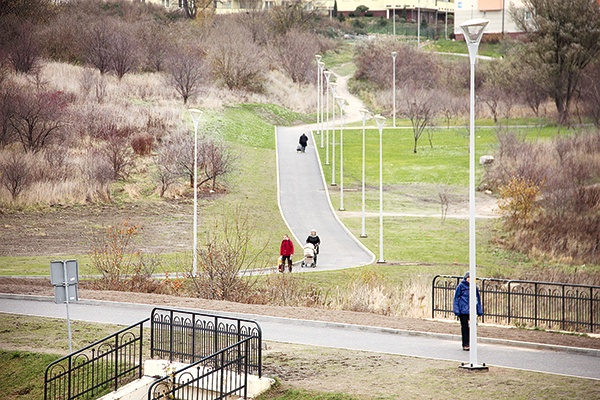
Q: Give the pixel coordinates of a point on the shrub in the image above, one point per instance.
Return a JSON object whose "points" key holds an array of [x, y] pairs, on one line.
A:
{"points": [[142, 144]]}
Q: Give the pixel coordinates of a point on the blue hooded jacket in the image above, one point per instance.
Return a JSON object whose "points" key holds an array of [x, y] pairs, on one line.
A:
{"points": [[461, 298]]}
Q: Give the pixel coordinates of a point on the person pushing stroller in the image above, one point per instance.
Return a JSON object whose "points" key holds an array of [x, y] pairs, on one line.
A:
{"points": [[314, 239]]}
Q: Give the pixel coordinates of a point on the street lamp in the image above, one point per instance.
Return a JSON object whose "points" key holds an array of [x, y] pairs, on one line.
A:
{"points": [[318, 58], [380, 122], [333, 86], [320, 122], [473, 30], [365, 114], [327, 77], [394, 21], [342, 104], [394, 83], [419, 24], [195, 114]]}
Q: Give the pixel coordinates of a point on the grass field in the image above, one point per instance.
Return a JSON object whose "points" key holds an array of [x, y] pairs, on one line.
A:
{"points": [[29, 344]]}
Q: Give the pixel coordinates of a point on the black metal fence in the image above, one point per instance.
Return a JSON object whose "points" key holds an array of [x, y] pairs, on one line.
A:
{"points": [[187, 336], [546, 305], [215, 377], [101, 367], [222, 352]]}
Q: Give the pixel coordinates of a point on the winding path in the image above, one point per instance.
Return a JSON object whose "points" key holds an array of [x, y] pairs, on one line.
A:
{"points": [[304, 200]]}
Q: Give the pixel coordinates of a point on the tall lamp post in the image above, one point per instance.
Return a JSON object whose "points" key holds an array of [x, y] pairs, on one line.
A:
{"points": [[380, 122], [318, 58], [419, 24], [365, 114], [342, 104], [320, 126], [473, 30], [333, 86], [327, 77], [195, 114], [394, 83]]}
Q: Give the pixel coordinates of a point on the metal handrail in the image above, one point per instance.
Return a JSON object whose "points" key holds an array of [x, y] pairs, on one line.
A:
{"points": [[551, 305], [103, 365]]}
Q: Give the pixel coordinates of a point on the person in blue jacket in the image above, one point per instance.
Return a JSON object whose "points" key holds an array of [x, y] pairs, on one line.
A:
{"points": [[461, 308]]}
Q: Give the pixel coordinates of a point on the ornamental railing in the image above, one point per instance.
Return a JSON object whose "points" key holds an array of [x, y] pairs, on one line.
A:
{"points": [[215, 377], [99, 368], [218, 347], [548, 305], [187, 336]]}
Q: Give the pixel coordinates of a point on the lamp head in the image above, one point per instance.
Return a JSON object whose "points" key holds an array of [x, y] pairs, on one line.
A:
{"points": [[327, 74], [341, 102], [473, 29], [380, 120], [195, 114], [365, 113], [394, 54], [318, 57]]}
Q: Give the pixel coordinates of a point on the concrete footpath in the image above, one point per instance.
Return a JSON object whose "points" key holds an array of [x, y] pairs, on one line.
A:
{"points": [[582, 363]]}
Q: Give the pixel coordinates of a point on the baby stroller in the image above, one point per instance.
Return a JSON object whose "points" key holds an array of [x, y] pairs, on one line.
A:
{"points": [[310, 256]]}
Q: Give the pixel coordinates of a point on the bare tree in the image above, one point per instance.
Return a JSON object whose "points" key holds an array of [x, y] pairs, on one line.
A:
{"points": [[227, 256], [96, 42], [98, 174], [24, 51], [15, 173], [420, 108], [116, 150], [413, 67], [236, 60], [449, 106], [295, 51], [293, 14], [124, 49], [168, 163], [8, 102], [186, 71], [217, 161], [444, 195], [38, 117]]}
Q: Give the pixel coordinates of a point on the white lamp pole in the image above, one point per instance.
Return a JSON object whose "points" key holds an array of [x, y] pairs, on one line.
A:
{"points": [[333, 86], [473, 30], [327, 77], [195, 114], [321, 69], [318, 58], [394, 83], [419, 24], [342, 104], [394, 21], [365, 114], [380, 122]]}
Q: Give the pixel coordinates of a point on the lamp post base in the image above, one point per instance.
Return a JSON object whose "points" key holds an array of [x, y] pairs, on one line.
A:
{"points": [[380, 261], [334, 184], [474, 367], [363, 235]]}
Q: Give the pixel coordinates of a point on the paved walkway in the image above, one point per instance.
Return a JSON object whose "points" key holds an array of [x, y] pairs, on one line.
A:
{"points": [[494, 353]]}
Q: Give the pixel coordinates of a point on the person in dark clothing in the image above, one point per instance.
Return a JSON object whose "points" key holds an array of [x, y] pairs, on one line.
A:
{"points": [[461, 308], [313, 238], [303, 141], [286, 251]]}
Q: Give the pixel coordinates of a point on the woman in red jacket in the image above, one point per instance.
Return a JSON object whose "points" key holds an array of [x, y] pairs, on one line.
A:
{"points": [[286, 251]]}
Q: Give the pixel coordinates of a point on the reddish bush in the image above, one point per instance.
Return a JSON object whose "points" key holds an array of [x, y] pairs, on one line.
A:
{"points": [[142, 144]]}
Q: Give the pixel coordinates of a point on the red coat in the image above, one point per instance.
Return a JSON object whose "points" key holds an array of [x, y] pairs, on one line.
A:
{"points": [[287, 248]]}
